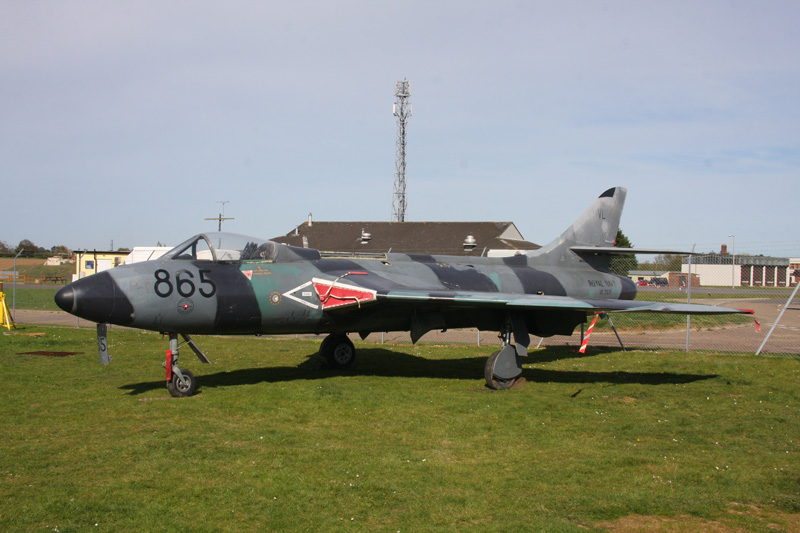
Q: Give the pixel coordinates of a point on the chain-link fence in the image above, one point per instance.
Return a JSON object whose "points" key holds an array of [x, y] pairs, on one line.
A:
{"points": [[761, 284]]}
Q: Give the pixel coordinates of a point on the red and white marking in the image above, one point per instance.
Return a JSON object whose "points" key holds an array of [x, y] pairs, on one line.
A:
{"points": [[305, 297], [588, 334], [336, 294]]}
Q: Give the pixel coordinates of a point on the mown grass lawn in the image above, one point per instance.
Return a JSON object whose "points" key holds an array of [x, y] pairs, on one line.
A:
{"points": [[42, 298], [406, 439]]}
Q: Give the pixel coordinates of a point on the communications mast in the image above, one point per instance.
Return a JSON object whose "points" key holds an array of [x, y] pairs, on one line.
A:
{"points": [[221, 216], [402, 110]]}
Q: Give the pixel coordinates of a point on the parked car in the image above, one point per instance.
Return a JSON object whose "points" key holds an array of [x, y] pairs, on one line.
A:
{"points": [[659, 282]]}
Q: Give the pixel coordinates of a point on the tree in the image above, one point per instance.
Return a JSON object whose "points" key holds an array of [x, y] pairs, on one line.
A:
{"points": [[622, 264], [60, 250], [668, 262], [622, 240], [4, 248], [26, 247]]}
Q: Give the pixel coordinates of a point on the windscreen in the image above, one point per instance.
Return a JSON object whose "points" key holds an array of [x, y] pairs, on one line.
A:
{"points": [[218, 246]]}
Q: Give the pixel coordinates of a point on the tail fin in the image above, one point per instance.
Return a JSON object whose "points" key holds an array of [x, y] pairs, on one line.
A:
{"points": [[597, 226]]}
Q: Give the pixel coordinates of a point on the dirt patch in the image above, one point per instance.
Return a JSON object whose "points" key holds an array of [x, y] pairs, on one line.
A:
{"points": [[639, 523], [768, 518], [50, 354]]}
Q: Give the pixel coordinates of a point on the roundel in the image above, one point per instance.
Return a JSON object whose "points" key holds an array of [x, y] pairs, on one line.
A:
{"points": [[185, 306], [275, 298]]}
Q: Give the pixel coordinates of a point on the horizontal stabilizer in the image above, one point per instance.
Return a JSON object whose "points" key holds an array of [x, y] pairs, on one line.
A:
{"points": [[613, 250]]}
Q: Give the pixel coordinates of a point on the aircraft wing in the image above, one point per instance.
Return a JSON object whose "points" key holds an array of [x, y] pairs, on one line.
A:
{"points": [[499, 300]]}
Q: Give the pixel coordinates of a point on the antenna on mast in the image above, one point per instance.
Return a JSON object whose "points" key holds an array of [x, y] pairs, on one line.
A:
{"points": [[402, 110], [221, 216]]}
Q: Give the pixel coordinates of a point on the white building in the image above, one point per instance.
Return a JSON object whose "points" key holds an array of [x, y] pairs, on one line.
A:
{"points": [[145, 253], [748, 271]]}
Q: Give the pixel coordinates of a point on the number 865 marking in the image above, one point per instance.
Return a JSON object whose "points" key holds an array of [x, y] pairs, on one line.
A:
{"points": [[183, 283]]}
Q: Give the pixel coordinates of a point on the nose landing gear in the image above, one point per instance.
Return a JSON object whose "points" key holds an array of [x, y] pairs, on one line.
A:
{"points": [[181, 381]]}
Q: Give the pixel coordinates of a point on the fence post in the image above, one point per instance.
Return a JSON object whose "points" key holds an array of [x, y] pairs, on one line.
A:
{"points": [[780, 315], [689, 298]]}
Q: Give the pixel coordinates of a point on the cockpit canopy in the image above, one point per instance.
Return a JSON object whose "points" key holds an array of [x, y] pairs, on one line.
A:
{"points": [[222, 247]]}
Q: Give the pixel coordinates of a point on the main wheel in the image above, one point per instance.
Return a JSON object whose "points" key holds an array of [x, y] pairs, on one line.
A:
{"points": [[181, 388], [338, 350], [488, 372]]}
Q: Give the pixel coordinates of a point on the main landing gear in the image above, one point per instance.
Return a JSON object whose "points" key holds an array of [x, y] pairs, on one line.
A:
{"points": [[503, 369], [338, 350], [180, 381]]}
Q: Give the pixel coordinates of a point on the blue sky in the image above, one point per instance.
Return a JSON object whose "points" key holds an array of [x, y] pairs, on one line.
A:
{"points": [[128, 121]]}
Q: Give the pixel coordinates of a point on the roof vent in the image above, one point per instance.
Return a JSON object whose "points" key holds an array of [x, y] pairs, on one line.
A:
{"points": [[365, 237], [470, 243]]}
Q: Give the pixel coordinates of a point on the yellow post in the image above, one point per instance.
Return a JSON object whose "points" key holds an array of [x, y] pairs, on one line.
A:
{"points": [[5, 316]]}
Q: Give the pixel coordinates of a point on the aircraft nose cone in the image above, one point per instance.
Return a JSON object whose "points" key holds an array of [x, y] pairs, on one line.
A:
{"points": [[97, 298], [65, 298]]}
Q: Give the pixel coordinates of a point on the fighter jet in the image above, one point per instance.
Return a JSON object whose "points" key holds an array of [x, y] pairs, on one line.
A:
{"points": [[222, 283]]}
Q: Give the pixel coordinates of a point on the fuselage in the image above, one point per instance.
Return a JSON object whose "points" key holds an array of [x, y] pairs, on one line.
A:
{"points": [[282, 289]]}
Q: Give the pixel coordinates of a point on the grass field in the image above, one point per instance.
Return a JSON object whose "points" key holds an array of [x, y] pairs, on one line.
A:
{"points": [[632, 322], [407, 439], [40, 269], [33, 298]]}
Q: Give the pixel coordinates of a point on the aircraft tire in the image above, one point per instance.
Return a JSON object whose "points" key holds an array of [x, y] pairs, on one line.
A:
{"points": [[178, 389], [338, 350], [491, 381]]}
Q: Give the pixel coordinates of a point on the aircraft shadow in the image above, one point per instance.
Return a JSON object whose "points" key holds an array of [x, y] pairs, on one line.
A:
{"points": [[386, 363]]}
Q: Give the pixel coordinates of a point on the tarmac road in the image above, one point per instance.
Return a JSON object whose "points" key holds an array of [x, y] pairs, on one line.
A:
{"points": [[53, 318]]}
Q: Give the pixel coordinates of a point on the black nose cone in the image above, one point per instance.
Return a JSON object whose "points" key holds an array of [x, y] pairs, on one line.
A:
{"points": [[97, 298], [65, 298]]}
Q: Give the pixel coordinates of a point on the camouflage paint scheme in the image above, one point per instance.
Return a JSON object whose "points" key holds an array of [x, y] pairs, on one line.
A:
{"points": [[219, 283]]}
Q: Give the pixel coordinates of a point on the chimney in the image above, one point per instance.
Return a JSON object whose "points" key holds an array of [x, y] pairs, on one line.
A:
{"points": [[723, 250], [309, 220], [470, 243]]}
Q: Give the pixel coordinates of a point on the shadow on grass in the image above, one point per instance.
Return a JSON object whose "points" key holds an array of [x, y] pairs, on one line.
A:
{"points": [[559, 353], [386, 363]]}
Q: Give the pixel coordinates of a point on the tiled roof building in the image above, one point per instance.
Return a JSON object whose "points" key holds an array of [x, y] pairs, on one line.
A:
{"points": [[443, 238]]}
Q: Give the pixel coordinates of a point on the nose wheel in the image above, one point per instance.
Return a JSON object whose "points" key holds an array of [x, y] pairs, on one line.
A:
{"points": [[183, 384]]}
